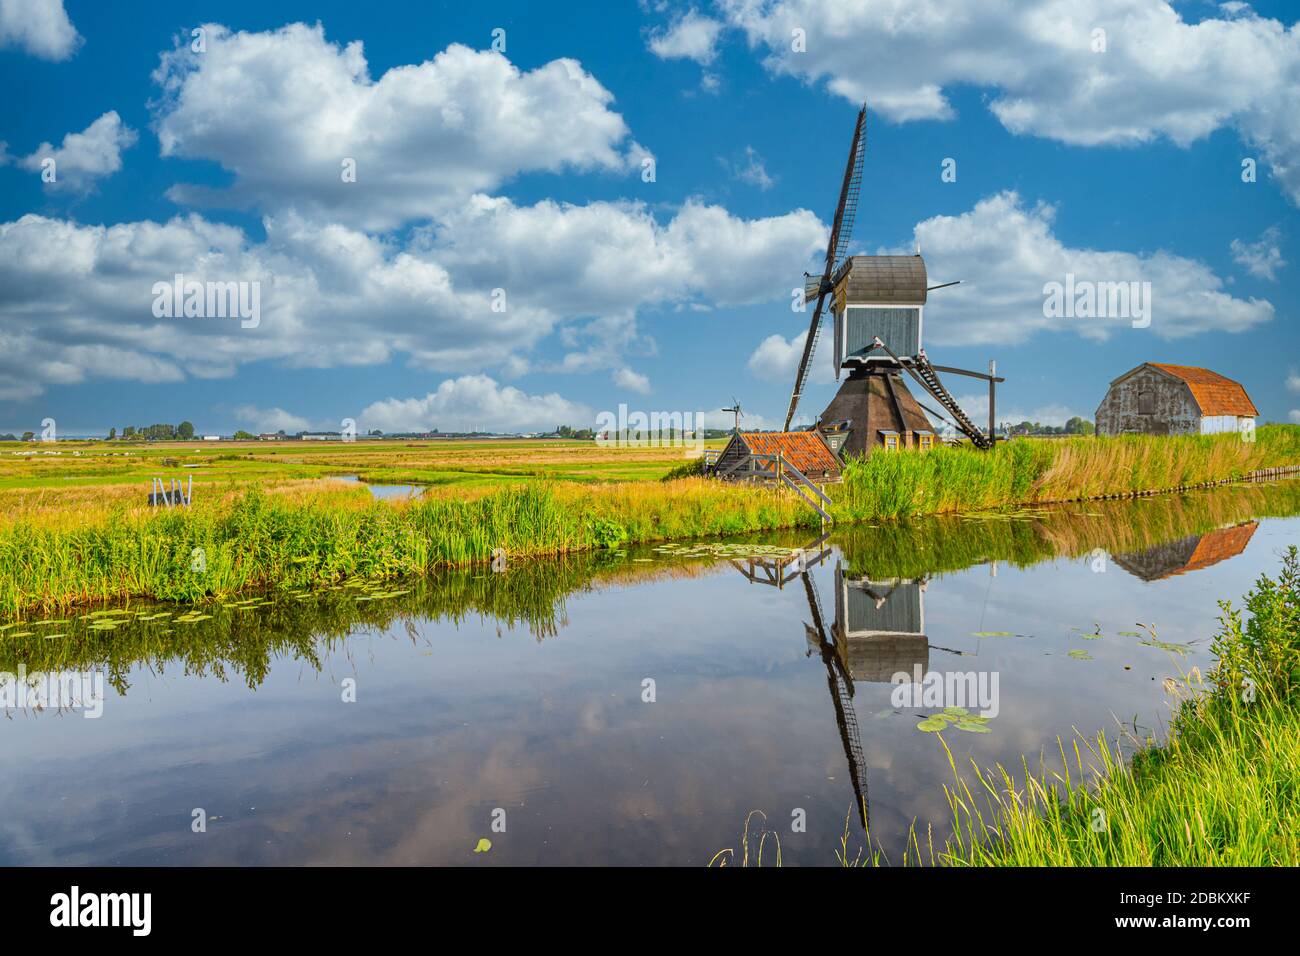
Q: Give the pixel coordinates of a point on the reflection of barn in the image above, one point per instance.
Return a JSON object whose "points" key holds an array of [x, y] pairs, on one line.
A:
{"points": [[1187, 554], [880, 626]]}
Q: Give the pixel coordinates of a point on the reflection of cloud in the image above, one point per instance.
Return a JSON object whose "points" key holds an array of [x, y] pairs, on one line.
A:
{"points": [[555, 733]]}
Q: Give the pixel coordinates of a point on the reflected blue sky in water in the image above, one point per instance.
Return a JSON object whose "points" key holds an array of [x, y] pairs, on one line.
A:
{"points": [[461, 719]]}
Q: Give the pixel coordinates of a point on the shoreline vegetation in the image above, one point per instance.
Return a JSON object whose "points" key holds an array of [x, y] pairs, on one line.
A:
{"points": [[241, 636], [1222, 788], [62, 548]]}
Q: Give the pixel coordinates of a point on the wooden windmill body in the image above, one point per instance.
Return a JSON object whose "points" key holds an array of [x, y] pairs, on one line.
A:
{"points": [[877, 305]]}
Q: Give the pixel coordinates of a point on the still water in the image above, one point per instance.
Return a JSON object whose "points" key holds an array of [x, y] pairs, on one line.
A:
{"points": [[627, 707]]}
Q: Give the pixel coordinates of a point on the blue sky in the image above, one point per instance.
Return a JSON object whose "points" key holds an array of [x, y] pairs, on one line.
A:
{"points": [[522, 170]]}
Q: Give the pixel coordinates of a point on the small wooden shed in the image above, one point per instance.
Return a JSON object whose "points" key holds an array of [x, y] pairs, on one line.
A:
{"points": [[806, 451]]}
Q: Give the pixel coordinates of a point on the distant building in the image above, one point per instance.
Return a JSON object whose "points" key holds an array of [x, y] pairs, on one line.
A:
{"points": [[212, 438], [1158, 399], [327, 436]]}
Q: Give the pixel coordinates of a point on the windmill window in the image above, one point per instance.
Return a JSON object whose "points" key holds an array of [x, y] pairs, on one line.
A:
{"points": [[890, 440], [926, 441], [1146, 402]]}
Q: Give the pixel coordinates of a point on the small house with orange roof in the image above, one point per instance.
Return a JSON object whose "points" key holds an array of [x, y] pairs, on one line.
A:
{"points": [[1160, 399], [807, 451]]}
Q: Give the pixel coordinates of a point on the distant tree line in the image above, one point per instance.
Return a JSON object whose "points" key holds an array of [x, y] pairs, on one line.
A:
{"points": [[1075, 426], [182, 432]]}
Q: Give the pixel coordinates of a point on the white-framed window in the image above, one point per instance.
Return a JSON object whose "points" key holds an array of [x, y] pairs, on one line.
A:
{"points": [[851, 342]]}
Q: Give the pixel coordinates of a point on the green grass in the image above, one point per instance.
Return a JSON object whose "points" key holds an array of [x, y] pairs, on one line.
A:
{"points": [[219, 548], [950, 479], [1222, 790], [64, 544]]}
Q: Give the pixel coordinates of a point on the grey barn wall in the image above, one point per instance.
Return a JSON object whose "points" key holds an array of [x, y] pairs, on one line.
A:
{"points": [[1175, 411]]}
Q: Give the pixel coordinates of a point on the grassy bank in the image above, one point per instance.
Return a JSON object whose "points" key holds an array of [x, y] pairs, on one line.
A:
{"points": [[1223, 790], [1034, 472], [256, 540], [59, 548]]}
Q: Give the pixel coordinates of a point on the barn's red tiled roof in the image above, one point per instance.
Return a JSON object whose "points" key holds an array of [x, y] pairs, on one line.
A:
{"points": [[1219, 545], [805, 450], [1214, 394]]}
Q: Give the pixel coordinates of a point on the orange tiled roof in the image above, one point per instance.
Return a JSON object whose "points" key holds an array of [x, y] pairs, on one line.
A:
{"points": [[1219, 545], [805, 450], [1215, 394]]}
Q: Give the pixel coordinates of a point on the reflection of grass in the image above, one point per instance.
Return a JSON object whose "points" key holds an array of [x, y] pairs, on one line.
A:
{"points": [[921, 546], [244, 637], [1223, 790]]}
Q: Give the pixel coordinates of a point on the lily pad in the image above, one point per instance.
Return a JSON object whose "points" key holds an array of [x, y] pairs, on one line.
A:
{"points": [[973, 726], [1079, 655], [484, 844], [932, 725]]}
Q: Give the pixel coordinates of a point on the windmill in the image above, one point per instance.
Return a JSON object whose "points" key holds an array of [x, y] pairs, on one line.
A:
{"points": [[877, 304], [735, 409]]}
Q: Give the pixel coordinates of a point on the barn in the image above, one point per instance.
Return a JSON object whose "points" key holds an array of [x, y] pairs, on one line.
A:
{"points": [[1160, 399]]}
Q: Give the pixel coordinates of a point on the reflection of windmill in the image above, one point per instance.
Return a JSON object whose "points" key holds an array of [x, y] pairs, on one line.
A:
{"points": [[735, 409], [877, 304], [838, 678], [880, 626]]}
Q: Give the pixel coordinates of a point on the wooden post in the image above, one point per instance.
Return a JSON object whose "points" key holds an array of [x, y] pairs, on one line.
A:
{"points": [[993, 371]]}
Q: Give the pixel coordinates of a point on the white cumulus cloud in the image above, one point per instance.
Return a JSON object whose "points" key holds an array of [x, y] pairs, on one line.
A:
{"points": [[475, 402], [689, 37], [1261, 258], [1158, 76], [39, 27], [283, 110], [270, 419], [633, 381], [1005, 252], [85, 157]]}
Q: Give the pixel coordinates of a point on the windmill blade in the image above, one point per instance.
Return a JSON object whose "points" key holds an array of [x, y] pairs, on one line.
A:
{"points": [[836, 250], [849, 192], [809, 344]]}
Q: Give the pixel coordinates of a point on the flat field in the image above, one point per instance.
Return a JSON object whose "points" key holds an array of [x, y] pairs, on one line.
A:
{"points": [[128, 468]]}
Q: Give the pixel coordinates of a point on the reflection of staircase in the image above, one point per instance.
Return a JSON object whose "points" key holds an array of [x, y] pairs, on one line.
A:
{"points": [[930, 379]]}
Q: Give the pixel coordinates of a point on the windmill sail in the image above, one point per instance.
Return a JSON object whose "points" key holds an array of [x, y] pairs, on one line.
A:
{"points": [[836, 250]]}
